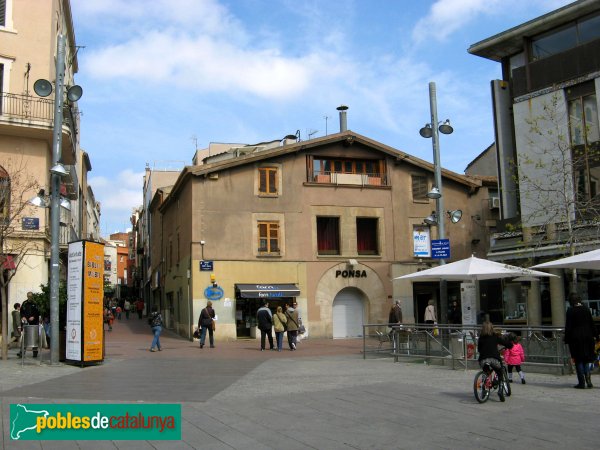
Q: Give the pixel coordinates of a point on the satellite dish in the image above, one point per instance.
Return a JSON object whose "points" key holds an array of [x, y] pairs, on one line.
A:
{"points": [[74, 93], [42, 87]]}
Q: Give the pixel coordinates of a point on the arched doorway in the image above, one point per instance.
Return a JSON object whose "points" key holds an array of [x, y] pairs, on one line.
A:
{"points": [[348, 313]]}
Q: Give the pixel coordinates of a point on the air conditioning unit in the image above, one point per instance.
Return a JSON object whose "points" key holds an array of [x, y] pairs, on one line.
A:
{"points": [[494, 202]]}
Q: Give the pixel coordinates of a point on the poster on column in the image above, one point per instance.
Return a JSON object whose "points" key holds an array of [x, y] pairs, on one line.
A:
{"points": [[468, 300], [74, 283], [85, 321]]}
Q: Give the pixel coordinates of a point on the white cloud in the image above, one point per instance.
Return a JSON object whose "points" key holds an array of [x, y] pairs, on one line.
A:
{"points": [[446, 16], [201, 64], [117, 197]]}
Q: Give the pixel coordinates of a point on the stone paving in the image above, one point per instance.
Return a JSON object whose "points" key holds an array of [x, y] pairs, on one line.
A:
{"points": [[322, 396]]}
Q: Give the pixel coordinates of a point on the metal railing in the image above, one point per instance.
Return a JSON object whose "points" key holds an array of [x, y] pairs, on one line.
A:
{"points": [[362, 179], [26, 106], [456, 345]]}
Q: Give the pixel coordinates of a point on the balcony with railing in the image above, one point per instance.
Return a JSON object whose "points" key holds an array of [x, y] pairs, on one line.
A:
{"points": [[29, 112], [26, 107], [357, 179]]}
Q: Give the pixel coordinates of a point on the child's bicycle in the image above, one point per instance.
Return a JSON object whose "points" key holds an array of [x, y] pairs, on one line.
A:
{"points": [[486, 380]]}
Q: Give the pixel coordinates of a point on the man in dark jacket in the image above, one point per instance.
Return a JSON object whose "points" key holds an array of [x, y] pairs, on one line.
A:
{"points": [[264, 318], [30, 315], [580, 332]]}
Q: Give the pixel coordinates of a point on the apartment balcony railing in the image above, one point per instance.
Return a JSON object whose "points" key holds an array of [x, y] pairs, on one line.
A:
{"points": [[360, 179], [26, 107], [25, 110]]}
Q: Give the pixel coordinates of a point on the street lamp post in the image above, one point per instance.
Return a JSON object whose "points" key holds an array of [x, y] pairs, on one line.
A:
{"points": [[55, 202], [43, 88], [430, 130]]}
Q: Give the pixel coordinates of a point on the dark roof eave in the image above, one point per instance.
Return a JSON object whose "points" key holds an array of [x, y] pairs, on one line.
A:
{"points": [[400, 156], [510, 42]]}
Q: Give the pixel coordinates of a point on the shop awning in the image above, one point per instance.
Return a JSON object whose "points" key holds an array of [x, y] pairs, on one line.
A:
{"points": [[266, 290]]}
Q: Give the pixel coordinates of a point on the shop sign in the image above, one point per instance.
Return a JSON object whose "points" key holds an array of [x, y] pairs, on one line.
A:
{"points": [[421, 248], [213, 293], [351, 273]]}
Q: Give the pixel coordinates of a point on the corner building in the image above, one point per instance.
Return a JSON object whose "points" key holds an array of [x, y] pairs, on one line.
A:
{"points": [[327, 222]]}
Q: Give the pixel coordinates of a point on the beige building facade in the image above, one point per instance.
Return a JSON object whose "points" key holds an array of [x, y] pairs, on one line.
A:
{"points": [[29, 32], [327, 222]]}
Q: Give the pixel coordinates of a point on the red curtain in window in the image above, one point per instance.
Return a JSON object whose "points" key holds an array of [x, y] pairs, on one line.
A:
{"points": [[366, 236], [328, 235]]}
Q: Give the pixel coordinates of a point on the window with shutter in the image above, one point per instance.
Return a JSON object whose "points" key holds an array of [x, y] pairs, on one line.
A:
{"points": [[419, 188]]}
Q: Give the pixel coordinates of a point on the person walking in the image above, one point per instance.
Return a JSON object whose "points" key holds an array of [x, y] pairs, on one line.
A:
{"points": [[279, 325], [139, 307], [394, 319], [16, 322], [127, 308], [291, 315], [430, 313], [155, 321], [455, 314], [206, 322], [30, 315], [264, 319], [514, 357], [579, 336], [109, 318]]}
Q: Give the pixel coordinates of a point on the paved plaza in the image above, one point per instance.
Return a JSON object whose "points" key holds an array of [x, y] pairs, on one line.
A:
{"points": [[322, 396]]}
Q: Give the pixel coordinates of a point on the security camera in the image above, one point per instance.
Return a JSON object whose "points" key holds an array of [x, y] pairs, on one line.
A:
{"points": [[202, 242]]}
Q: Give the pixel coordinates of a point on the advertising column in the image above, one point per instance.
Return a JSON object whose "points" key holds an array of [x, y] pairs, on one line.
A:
{"points": [[85, 290]]}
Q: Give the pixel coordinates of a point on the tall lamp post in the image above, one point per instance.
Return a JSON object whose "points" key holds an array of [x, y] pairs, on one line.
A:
{"points": [[430, 130], [44, 88]]}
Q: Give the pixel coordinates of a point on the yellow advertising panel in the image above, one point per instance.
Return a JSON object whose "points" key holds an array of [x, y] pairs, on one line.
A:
{"points": [[93, 295]]}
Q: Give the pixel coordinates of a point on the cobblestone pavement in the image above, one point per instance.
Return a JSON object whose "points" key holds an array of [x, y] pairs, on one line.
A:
{"points": [[322, 396]]}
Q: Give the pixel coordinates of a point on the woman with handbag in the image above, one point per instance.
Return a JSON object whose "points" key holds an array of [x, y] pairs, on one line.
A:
{"points": [[206, 322], [279, 324]]}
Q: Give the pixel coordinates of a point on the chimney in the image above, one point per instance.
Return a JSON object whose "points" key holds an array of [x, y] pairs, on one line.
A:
{"points": [[343, 122]]}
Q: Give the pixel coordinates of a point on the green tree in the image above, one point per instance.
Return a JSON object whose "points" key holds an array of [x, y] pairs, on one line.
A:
{"points": [[42, 300]]}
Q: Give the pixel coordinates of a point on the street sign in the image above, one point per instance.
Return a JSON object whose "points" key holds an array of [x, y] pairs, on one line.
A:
{"points": [[30, 223], [206, 266], [440, 248]]}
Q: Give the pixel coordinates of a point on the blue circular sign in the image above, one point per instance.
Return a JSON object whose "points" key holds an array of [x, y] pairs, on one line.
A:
{"points": [[213, 293]]}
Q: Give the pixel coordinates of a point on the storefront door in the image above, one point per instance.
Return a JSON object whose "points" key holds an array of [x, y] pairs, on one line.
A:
{"points": [[348, 313]]}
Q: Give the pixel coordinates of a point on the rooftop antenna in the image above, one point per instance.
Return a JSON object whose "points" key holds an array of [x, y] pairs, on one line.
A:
{"points": [[195, 139], [311, 133], [326, 119]]}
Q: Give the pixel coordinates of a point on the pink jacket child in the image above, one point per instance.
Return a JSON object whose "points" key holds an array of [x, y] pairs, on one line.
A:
{"points": [[514, 357]]}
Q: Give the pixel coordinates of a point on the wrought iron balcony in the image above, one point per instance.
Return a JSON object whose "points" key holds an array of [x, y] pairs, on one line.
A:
{"points": [[26, 107]]}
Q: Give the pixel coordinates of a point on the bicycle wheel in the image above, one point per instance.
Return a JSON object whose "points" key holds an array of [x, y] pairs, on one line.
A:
{"points": [[481, 387], [505, 383]]}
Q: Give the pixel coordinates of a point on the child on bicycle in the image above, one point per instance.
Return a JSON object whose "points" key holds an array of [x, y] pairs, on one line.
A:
{"points": [[514, 357], [487, 346]]}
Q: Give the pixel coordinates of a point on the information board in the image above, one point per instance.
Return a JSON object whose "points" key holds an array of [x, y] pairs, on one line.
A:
{"points": [[85, 294], [440, 248]]}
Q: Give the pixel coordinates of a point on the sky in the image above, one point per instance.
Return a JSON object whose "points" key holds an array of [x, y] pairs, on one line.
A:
{"points": [[161, 78]]}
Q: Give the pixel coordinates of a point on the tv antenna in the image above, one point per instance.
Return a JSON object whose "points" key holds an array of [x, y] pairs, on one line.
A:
{"points": [[311, 133], [326, 118]]}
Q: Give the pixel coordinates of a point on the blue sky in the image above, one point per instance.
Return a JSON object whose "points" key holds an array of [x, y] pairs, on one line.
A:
{"points": [[160, 76]]}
